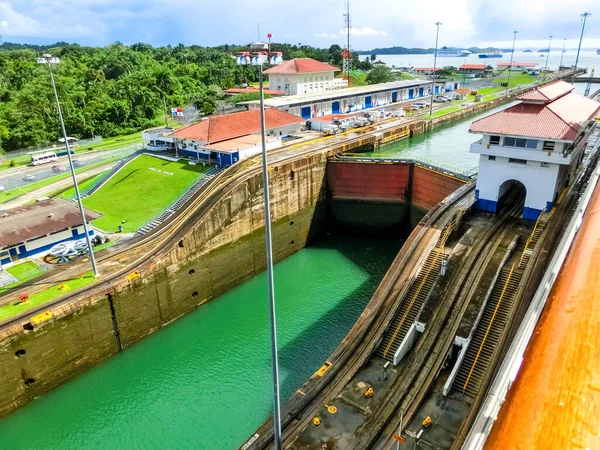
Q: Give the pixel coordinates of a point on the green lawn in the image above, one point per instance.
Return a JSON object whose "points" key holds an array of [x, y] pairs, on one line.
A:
{"points": [[22, 272], [140, 191], [358, 78], [405, 76], [516, 79], [46, 295], [113, 142]]}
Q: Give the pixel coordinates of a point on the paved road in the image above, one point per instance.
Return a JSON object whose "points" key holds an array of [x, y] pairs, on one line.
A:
{"points": [[13, 178]]}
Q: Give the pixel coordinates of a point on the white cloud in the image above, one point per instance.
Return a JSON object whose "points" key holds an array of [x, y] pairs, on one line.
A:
{"points": [[325, 35], [365, 31], [4, 24]]}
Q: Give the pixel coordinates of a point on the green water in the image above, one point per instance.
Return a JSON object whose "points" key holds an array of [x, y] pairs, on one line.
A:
{"points": [[203, 382], [446, 147]]}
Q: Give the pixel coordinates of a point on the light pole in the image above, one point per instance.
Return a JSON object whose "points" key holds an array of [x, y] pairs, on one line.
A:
{"points": [[49, 60], [562, 54], [437, 35], [585, 16], [548, 54], [261, 54], [512, 55]]}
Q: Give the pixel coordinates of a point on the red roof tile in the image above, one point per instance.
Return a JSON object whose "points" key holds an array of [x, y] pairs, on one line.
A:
{"points": [[516, 64], [549, 92], [560, 119], [473, 66], [300, 65], [229, 126]]}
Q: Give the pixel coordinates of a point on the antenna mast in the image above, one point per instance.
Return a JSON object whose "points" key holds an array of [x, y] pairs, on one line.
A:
{"points": [[347, 54]]}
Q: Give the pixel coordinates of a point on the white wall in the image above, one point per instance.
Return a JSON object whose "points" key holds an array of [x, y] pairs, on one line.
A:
{"points": [[305, 83], [256, 149], [540, 182], [53, 238]]}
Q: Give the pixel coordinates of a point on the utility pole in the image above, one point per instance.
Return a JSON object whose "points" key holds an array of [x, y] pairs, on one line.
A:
{"points": [[48, 59], [585, 16], [437, 35], [562, 54], [346, 53], [512, 55], [548, 54]]}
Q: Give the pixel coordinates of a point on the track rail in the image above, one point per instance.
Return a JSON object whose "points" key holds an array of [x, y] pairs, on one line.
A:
{"points": [[429, 354]]}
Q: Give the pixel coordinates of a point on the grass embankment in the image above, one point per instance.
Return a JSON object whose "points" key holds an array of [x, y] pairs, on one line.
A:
{"points": [[45, 295], [140, 191], [83, 186], [22, 272], [13, 193], [516, 79]]}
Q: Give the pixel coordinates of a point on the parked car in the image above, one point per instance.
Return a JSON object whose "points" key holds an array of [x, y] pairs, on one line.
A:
{"points": [[419, 105], [77, 163], [29, 178], [58, 169], [2, 188], [441, 99]]}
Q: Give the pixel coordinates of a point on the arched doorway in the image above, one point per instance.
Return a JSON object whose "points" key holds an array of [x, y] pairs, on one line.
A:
{"points": [[511, 193]]}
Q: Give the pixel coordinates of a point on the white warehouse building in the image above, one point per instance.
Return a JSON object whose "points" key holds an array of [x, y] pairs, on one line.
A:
{"points": [[348, 100], [538, 143]]}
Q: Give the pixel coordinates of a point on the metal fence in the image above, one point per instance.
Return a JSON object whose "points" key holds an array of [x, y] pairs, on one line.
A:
{"points": [[22, 179], [50, 147]]}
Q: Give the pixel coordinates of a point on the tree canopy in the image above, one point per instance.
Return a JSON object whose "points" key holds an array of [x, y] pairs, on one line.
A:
{"points": [[380, 74], [117, 89]]}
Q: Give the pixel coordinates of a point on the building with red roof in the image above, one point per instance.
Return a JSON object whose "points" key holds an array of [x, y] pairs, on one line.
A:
{"points": [[475, 69], [304, 76], [537, 144], [517, 65], [426, 70], [235, 133]]}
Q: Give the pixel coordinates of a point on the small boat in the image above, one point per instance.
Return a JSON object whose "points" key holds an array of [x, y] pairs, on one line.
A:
{"points": [[494, 54], [541, 56], [598, 52]]}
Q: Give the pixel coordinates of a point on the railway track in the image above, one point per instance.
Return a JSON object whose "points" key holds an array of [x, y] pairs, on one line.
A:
{"points": [[430, 352]]}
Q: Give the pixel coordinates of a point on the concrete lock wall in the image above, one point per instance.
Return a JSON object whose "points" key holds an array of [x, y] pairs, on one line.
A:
{"points": [[222, 249], [217, 251]]}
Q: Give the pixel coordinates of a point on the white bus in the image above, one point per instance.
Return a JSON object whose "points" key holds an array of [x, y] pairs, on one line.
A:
{"points": [[42, 158]]}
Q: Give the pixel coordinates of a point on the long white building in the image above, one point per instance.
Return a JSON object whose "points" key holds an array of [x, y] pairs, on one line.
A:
{"points": [[538, 143], [344, 101]]}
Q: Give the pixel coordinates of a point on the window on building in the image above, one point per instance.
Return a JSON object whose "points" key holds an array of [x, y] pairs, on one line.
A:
{"points": [[492, 158], [517, 161], [495, 140], [548, 146], [520, 142], [545, 164]]}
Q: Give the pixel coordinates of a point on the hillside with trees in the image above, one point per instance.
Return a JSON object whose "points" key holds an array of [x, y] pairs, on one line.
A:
{"points": [[117, 89]]}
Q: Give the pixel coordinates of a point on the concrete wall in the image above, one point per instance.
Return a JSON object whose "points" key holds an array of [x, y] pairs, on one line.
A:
{"points": [[219, 250]]}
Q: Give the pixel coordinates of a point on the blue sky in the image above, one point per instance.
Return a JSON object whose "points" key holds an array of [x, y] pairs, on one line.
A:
{"points": [[375, 23]]}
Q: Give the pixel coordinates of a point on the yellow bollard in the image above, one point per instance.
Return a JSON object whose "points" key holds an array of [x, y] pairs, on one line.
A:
{"points": [[369, 392], [316, 421]]}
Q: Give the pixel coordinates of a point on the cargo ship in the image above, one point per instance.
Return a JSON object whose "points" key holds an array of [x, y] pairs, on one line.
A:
{"points": [[495, 54]]}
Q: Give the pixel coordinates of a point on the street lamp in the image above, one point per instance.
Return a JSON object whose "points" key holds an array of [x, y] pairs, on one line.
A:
{"points": [[512, 55], [548, 54], [261, 54], [437, 34], [585, 16], [562, 54], [49, 60]]}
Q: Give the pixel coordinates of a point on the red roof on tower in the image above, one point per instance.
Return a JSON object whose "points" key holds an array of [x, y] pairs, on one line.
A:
{"points": [[556, 119], [229, 126], [300, 65], [548, 93]]}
